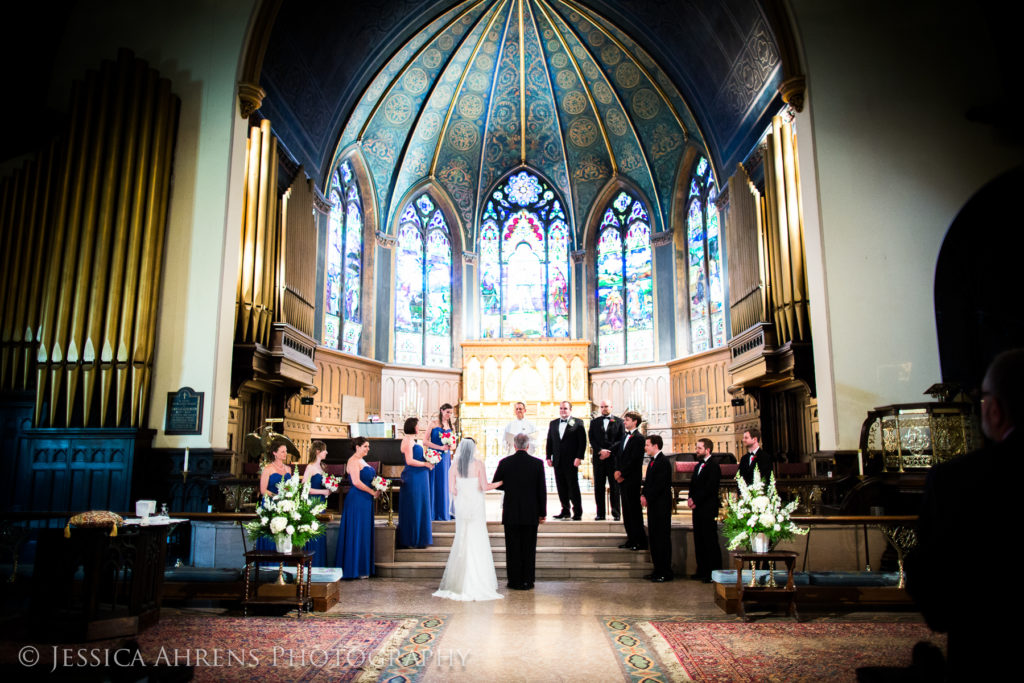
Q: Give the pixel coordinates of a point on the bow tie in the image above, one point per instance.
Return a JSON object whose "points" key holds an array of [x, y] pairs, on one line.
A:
{"points": [[629, 433], [563, 421]]}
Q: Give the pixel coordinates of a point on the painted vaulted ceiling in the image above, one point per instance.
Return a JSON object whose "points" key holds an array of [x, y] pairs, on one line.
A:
{"points": [[465, 91]]}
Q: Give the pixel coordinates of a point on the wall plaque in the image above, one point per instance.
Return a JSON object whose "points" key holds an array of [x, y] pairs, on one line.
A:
{"points": [[184, 412], [696, 408]]}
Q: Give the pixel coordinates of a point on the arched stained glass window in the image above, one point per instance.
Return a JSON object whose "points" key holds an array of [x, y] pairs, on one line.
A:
{"points": [[423, 276], [524, 261], [703, 238], [342, 316], [625, 284]]}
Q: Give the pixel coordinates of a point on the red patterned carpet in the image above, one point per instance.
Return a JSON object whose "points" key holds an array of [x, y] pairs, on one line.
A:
{"points": [[670, 650], [338, 647]]}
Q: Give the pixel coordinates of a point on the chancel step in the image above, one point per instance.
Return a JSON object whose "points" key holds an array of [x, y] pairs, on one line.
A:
{"points": [[565, 550]]}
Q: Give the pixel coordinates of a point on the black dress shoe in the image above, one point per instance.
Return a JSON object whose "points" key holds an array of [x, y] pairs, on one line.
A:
{"points": [[564, 515], [599, 518], [517, 586], [660, 579], [626, 546], [528, 586], [577, 518], [615, 517]]}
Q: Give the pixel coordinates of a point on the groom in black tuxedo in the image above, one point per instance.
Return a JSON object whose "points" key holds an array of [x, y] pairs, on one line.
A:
{"points": [[605, 431], [567, 441], [629, 467], [524, 507]]}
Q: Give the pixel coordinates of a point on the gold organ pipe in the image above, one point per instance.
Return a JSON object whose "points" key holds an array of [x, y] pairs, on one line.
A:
{"points": [[260, 255], [47, 331], [118, 258], [100, 281], [249, 236], [74, 206], [782, 230], [149, 267], [794, 211], [84, 272], [270, 264], [769, 218], [27, 315], [126, 322]]}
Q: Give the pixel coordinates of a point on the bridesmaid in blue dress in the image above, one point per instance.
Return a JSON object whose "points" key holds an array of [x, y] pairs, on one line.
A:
{"points": [[440, 495], [355, 534], [273, 473], [314, 476], [414, 509]]}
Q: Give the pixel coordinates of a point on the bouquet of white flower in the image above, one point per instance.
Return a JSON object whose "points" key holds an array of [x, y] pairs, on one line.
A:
{"points": [[759, 510], [432, 456], [380, 483], [289, 514]]}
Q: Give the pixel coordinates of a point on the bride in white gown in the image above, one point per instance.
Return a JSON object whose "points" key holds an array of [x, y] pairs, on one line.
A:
{"points": [[469, 574]]}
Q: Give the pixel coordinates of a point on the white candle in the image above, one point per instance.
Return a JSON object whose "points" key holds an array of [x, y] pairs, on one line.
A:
{"points": [[860, 463], [185, 468]]}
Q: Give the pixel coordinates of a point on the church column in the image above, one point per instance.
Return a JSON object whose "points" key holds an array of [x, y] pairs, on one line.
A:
{"points": [[384, 251], [664, 295]]}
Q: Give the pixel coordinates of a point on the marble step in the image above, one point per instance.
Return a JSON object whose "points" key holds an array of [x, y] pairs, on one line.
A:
{"points": [[591, 540], [435, 570], [551, 556], [551, 526]]}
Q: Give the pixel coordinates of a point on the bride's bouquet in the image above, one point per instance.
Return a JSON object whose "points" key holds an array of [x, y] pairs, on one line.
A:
{"points": [[331, 483], [380, 483]]}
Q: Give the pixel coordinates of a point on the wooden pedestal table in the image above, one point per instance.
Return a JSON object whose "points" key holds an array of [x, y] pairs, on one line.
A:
{"points": [[751, 591], [303, 561]]}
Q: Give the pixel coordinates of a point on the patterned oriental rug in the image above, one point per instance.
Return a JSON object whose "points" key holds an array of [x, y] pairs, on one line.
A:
{"points": [[339, 647], [653, 649], [335, 647]]}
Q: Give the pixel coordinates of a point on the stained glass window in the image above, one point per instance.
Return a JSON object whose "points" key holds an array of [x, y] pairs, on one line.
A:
{"points": [[625, 283], [704, 266], [342, 315], [524, 261], [423, 277]]}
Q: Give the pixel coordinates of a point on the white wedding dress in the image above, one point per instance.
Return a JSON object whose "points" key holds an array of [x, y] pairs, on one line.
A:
{"points": [[469, 574]]}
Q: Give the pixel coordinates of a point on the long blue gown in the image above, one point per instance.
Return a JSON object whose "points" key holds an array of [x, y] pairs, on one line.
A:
{"points": [[355, 533], [266, 542], [440, 495], [414, 509], [319, 544]]}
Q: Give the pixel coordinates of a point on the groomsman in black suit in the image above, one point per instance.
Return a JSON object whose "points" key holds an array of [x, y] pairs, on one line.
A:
{"points": [[703, 503], [755, 457], [567, 441], [657, 498], [605, 431], [629, 465], [523, 508]]}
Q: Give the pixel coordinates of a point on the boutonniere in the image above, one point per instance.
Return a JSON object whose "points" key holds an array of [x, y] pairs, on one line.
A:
{"points": [[571, 422]]}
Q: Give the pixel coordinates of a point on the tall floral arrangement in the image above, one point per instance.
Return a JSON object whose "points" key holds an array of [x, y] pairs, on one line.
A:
{"points": [[288, 514], [759, 510]]}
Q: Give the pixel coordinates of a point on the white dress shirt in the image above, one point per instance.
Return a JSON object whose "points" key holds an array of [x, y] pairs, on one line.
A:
{"points": [[523, 426]]}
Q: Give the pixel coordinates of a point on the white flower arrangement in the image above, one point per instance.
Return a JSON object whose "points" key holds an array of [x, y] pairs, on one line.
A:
{"points": [[759, 510], [290, 513], [380, 483], [433, 457]]}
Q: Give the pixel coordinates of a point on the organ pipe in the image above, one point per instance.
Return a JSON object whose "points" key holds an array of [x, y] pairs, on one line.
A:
{"points": [[83, 233]]}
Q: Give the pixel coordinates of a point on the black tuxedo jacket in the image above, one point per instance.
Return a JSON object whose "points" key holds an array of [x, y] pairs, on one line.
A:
{"points": [[704, 488], [601, 439], [763, 461], [658, 483], [526, 497], [629, 458], [573, 444]]}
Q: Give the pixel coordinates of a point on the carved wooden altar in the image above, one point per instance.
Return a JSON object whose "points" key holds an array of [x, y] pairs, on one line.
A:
{"points": [[496, 373]]}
